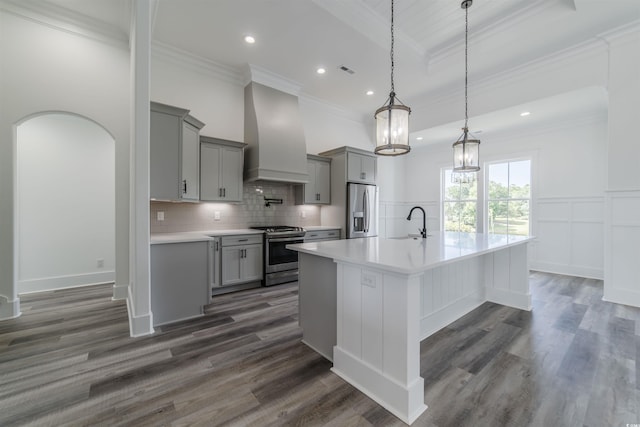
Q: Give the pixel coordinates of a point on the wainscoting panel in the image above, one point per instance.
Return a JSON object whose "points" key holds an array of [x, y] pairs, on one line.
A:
{"points": [[570, 236], [450, 291], [622, 253]]}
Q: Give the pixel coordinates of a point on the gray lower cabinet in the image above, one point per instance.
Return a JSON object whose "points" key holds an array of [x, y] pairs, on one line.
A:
{"points": [[179, 280], [320, 235], [241, 259], [317, 298], [215, 249]]}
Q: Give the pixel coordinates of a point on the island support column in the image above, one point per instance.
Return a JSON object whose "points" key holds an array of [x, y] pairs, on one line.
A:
{"points": [[378, 337]]}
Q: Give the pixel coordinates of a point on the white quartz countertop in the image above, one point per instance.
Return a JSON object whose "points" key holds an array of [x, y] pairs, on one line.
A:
{"points": [[197, 236], [409, 255]]}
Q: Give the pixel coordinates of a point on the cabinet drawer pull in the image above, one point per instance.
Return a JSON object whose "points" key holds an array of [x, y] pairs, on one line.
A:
{"points": [[243, 240]]}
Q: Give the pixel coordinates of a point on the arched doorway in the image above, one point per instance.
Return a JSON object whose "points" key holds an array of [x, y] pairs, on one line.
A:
{"points": [[65, 223]]}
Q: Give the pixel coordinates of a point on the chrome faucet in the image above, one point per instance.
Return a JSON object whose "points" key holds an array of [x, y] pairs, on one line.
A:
{"points": [[423, 231]]}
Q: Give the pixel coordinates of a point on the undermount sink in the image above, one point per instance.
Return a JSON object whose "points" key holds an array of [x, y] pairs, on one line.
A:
{"points": [[407, 237]]}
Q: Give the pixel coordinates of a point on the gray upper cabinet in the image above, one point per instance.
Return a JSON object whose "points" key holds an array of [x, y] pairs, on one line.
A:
{"points": [[174, 154], [318, 189], [221, 163], [361, 168]]}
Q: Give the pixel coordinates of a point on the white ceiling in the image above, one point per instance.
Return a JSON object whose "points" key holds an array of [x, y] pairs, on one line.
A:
{"points": [[294, 37]]}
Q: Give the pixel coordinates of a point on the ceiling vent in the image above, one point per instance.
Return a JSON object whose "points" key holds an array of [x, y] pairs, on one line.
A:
{"points": [[346, 69]]}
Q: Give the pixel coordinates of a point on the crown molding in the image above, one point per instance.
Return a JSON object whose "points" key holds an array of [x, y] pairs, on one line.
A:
{"points": [[495, 28], [542, 128], [508, 135], [254, 73], [66, 20], [358, 15], [622, 32], [185, 59], [491, 81], [334, 109]]}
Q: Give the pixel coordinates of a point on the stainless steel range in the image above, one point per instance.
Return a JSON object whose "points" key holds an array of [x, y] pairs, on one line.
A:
{"points": [[280, 263]]}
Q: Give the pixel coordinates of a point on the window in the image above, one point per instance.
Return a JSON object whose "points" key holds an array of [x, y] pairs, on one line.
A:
{"points": [[459, 203], [508, 187]]}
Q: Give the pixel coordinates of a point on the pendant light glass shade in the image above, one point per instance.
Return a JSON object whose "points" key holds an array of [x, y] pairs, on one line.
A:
{"points": [[392, 119], [463, 177], [466, 153], [392, 129]]}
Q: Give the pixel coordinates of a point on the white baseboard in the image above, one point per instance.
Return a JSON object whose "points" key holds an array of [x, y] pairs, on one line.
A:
{"points": [[397, 398], [63, 282], [120, 291], [9, 309], [621, 296], [139, 325], [508, 298], [568, 270]]}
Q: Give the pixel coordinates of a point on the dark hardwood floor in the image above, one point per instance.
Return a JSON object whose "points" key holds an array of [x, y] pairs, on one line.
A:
{"points": [[69, 360]]}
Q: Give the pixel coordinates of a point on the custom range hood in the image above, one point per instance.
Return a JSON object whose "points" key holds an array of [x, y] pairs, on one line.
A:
{"points": [[276, 149]]}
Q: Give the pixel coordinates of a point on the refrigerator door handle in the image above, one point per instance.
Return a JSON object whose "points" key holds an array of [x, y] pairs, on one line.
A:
{"points": [[365, 209]]}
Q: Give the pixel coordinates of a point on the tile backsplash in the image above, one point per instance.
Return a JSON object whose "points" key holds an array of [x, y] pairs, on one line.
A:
{"points": [[250, 212]]}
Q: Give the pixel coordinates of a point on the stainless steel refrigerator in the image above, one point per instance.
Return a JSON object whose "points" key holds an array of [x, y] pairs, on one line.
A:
{"points": [[362, 210]]}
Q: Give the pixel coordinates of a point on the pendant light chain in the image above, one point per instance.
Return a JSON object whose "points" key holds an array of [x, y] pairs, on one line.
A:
{"points": [[466, 49], [392, 43]]}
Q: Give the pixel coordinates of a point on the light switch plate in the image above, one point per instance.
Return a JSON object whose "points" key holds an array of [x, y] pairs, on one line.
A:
{"points": [[160, 216], [216, 215]]}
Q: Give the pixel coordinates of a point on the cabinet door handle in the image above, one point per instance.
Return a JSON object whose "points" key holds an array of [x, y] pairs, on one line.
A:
{"points": [[224, 192], [184, 186], [363, 175], [217, 247], [219, 192]]}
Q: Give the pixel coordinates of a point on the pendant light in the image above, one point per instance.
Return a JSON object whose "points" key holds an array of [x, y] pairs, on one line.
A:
{"points": [[466, 150], [463, 177], [392, 119]]}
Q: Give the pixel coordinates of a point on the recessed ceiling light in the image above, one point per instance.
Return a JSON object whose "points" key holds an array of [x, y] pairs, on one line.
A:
{"points": [[419, 138], [369, 92], [524, 113], [321, 70], [249, 39]]}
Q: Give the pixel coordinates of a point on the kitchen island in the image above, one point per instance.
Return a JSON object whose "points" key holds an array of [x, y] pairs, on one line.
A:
{"points": [[386, 295]]}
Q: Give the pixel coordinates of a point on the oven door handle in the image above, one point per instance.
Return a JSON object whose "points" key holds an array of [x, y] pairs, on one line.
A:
{"points": [[285, 239]]}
